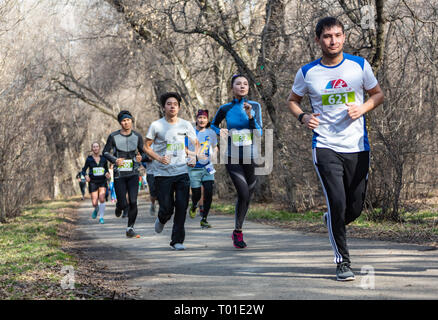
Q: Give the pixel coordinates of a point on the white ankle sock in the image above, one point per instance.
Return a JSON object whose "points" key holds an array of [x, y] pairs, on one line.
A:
{"points": [[101, 209]]}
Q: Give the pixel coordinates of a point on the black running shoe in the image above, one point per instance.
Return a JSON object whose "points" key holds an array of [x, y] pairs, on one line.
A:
{"points": [[344, 272], [130, 233], [125, 212], [118, 212]]}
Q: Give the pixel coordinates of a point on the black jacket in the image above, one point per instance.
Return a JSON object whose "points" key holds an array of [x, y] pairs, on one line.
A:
{"points": [[95, 168]]}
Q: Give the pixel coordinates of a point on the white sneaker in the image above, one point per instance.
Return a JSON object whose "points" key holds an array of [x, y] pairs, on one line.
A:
{"points": [[158, 226], [178, 246]]}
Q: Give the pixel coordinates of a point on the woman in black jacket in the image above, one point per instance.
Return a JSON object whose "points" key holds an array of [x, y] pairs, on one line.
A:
{"points": [[97, 167]]}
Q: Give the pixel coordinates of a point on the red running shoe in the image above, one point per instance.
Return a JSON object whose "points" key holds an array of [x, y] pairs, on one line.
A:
{"points": [[238, 240]]}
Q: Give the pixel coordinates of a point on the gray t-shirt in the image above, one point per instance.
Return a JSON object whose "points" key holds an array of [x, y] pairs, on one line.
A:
{"points": [[150, 165], [169, 139]]}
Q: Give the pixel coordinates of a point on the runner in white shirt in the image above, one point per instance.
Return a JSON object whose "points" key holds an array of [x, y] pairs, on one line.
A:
{"points": [[171, 176], [336, 84]]}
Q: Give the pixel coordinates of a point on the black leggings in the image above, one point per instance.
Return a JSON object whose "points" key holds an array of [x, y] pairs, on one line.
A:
{"points": [[82, 186], [128, 185], [208, 196], [244, 180]]}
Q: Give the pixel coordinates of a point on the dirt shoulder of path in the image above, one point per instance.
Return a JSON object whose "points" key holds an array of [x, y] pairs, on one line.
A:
{"points": [[94, 281]]}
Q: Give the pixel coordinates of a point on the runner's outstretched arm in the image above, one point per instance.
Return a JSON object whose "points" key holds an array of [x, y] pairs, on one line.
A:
{"points": [[105, 166], [294, 104], [85, 168], [255, 123], [218, 118], [109, 146], [151, 153]]}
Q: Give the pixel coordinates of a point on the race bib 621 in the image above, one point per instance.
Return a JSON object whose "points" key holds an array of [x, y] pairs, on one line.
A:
{"points": [[338, 98]]}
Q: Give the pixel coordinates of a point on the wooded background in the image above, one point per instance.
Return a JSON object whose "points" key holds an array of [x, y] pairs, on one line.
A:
{"points": [[68, 67]]}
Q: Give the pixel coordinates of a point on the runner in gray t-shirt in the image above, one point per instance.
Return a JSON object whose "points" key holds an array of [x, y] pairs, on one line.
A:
{"points": [[169, 141], [171, 177]]}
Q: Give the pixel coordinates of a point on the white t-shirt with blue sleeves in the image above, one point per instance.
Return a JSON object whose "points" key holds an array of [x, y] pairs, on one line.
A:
{"points": [[329, 89]]}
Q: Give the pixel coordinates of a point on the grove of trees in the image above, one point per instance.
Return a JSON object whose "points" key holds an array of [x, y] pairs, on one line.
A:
{"points": [[68, 67]]}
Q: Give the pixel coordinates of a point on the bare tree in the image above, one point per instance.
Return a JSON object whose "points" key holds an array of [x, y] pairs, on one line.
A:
{"points": [[91, 59]]}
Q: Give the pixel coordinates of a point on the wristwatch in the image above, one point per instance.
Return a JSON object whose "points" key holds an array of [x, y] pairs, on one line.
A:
{"points": [[300, 117]]}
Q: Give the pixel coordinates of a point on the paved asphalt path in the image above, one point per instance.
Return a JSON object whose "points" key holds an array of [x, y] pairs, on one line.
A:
{"points": [[278, 264]]}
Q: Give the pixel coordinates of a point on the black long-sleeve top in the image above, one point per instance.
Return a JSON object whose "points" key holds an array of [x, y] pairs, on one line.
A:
{"points": [[126, 147]]}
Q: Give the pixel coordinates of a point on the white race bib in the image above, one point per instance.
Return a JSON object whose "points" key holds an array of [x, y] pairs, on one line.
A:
{"points": [[98, 171], [176, 151], [127, 165], [335, 102], [241, 138]]}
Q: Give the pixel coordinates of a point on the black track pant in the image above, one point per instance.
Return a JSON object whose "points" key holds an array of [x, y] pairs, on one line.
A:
{"points": [[173, 196], [244, 180], [128, 185], [344, 179], [208, 196], [82, 186]]}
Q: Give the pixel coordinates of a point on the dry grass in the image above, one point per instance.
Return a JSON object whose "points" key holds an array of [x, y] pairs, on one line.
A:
{"points": [[35, 248]]}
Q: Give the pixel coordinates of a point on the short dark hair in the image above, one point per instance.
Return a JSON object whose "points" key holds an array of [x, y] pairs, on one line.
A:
{"points": [[168, 95], [234, 77], [327, 22]]}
